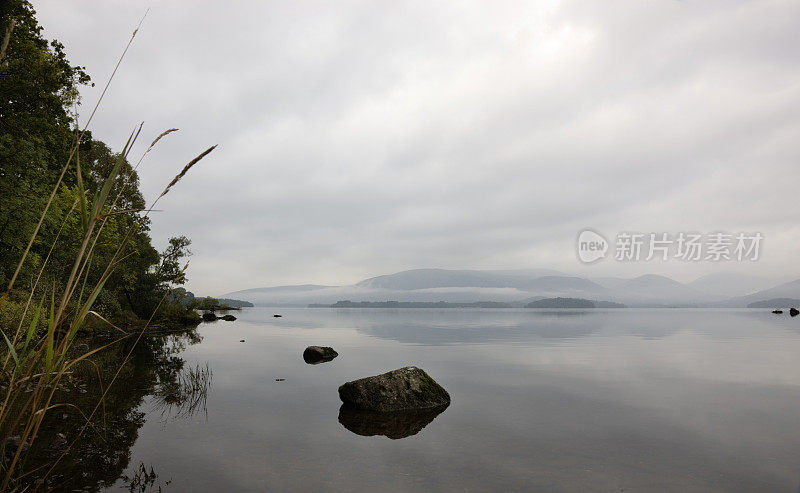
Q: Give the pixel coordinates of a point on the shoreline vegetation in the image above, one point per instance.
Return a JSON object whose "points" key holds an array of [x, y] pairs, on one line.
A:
{"points": [[84, 291]]}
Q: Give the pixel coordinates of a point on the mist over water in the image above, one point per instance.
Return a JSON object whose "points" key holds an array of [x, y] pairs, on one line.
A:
{"points": [[560, 400]]}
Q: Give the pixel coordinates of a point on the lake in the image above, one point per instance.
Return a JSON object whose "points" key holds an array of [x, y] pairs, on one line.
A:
{"points": [[550, 400]]}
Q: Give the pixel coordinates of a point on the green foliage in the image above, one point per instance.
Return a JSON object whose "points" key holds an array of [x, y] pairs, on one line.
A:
{"points": [[38, 87], [208, 304], [72, 219]]}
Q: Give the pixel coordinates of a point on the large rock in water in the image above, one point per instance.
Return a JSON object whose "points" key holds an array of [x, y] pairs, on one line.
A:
{"points": [[793, 312], [406, 389]]}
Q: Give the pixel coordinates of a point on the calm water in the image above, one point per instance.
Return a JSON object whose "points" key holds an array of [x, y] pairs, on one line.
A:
{"points": [[599, 400]]}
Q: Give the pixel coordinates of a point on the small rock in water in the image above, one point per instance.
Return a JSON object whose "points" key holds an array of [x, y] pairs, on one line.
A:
{"points": [[242, 340], [280, 379], [228, 317], [777, 311], [405, 389], [793, 312], [318, 354], [209, 317], [277, 316]]}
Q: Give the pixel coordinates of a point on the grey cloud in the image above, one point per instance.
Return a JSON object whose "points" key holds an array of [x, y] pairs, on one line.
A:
{"points": [[366, 137]]}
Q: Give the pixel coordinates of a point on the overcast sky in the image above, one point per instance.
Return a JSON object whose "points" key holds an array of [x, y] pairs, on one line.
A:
{"points": [[363, 138]]}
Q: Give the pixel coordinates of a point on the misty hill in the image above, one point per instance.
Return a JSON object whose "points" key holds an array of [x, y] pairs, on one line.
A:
{"points": [[279, 295], [410, 304], [275, 289], [610, 282], [517, 288], [731, 284], [655, 290], [433, 285], [789, 290], [527, 280], [775, 303]]}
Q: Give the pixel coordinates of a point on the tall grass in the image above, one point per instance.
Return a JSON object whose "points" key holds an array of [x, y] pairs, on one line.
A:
{"points": [[36, 360]]}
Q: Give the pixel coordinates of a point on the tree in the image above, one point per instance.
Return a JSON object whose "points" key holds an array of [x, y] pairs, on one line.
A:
{"points": [[208, 304], [38, 87], [38, 91], [171, 271]]}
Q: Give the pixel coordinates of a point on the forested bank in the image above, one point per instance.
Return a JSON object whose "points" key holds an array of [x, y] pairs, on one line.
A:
{"points": [[39, 130], [81, 280]]}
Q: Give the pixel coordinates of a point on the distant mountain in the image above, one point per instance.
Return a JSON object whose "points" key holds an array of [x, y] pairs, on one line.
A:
{"points": [[786, 290], [655, 290], [653, 281], [297, 295], [432, 285], [730, 284], [409, 304], [529, 272], [610, 282], [518, 287], [530, 280], [294, 288], [775, 303], [329, 295]]}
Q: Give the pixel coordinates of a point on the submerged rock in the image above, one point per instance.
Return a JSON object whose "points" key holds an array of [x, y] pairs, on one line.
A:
{"points": [[793, 312], [408, 388], [209, 317], [277, 316], [228, 317], [777, 311], [394, 425], [319, 354]]}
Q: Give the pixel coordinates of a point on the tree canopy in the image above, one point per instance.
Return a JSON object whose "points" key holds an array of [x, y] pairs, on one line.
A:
{"points": [[39, 94]]}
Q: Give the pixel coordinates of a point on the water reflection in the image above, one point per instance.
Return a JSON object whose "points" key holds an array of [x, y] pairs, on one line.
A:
{"points": [[392, 425], [611, 400], [185, 395], [102, 453], [440, 327]]}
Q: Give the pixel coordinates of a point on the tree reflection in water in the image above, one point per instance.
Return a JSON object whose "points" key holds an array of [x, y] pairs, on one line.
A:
{"points": [[102, 453]]}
